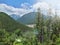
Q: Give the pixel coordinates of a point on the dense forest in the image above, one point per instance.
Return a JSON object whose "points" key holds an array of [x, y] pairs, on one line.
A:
{"points": [[45, 32]]}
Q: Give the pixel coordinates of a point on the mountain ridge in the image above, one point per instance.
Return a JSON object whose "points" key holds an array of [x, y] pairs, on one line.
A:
{"points": [[29, 18]]}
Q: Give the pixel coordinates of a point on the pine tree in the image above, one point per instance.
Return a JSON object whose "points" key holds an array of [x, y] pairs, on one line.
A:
{"points": [[40, 26], [49, 26]]}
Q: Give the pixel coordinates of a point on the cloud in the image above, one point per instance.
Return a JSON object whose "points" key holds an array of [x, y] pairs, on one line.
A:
{"points": [[42, 5], [26, 8], [12, 10], [45, 7]]}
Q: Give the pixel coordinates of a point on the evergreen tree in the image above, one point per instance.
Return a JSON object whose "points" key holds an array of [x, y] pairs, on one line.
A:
{"points": [[40, 26]]}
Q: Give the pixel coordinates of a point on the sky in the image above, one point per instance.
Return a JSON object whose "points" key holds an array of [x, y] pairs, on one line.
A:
{"points": [[16, 3], [21, 7]]}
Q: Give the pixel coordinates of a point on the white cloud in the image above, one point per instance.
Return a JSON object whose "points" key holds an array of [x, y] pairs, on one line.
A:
{"points": [[25, 5], [26, 8], [12, 10], [44, 7]]}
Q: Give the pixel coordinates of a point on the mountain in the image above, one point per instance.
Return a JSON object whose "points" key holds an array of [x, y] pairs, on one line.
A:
{"points": [[9, 24], [29, 18], [15, 16]]}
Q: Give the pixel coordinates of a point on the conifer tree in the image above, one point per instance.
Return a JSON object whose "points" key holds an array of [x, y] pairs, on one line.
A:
{"points": [[40, 26]]}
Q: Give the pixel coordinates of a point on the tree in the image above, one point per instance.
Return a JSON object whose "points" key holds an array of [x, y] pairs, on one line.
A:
{"points": [[40, 26], [49, 26], [55, 28]]}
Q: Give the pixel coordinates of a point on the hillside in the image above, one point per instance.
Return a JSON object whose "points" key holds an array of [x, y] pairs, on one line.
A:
{"points": [[8, 23]]}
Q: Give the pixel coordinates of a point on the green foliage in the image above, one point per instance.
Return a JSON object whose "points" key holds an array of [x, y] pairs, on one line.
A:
{"points": [[58, 41]]}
